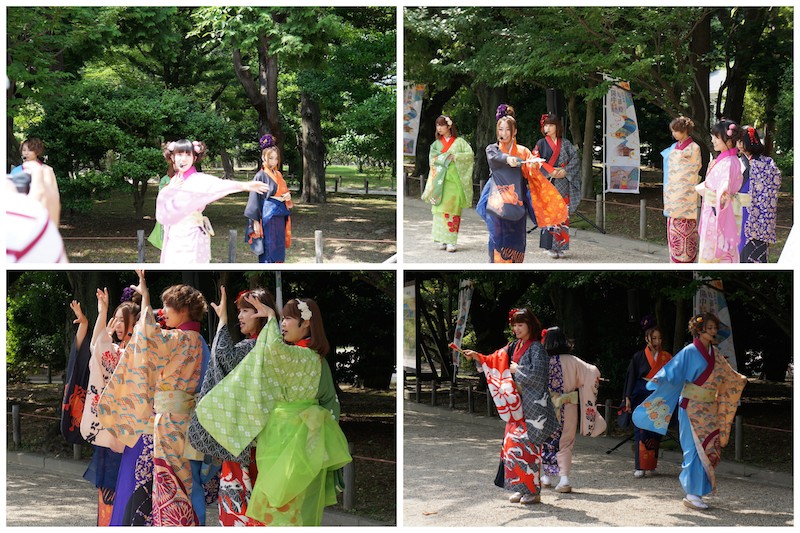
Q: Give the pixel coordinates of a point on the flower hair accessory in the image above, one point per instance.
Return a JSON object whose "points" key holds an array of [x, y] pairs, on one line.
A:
{"points": [[448, 120], [731, 129], [541, 121], [171, 146], [544, 334], [196, 145], [751, 132], [511, 315], [267, 141], [502, 111], [305, 311], [127, 294]]}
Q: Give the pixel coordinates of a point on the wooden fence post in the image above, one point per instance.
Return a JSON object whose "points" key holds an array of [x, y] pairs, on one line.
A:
{"points": [[336, 184], [76, 452], [642, 218], [433, 393], [16, 427], [366, 186], [598, 210], [232, 237], [738, 438], [140, 245], [470, 407], [318, 245], [349, 474]]}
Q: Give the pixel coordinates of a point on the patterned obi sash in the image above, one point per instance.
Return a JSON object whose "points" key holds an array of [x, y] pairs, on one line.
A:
{"points": [[174, 402], [698, 394], [562, 399], [196, 219]]}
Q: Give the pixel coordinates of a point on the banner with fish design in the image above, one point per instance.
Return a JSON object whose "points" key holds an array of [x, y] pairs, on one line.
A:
{"points": [[622, 147]]}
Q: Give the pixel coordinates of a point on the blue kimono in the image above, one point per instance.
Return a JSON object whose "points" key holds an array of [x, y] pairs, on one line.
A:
{"points": [[707, 390], [274, 216]]}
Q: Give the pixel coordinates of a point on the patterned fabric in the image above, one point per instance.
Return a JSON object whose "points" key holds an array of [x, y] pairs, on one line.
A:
{"points": [[568, 159], [74, 401], [763, 185], [680, 196], [683, 239], [156, 237], [152, 392], [755, 251], [105, 356], [274, 217], [235, 489], [555, 238], [719, 233], [445, 227], [105, 505], [457, 172], [569, 374], [139, 508], [299, 443], [225, 355], [704, 426], [179, 208]]}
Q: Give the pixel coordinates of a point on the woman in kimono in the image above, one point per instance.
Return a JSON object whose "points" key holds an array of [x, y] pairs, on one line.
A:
{"points": [[269, 227], [449, 185], [515, 189], [44, 190], [562, 166], [758, 197], [238, 473], [680, 197], [152, 392], [299, 445], [573, 385], [517, 379], [104, 465], [179, 205], [719, 232], [643, 366], [700, 380]]}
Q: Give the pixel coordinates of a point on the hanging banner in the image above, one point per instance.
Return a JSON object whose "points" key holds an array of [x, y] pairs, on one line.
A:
{"points": [[710, 299], [464, 300], [412, 110], [409, 326], [622, 156]]}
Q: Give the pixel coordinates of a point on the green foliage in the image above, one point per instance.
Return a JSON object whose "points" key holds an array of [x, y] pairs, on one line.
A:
{"points": [[35, 322]]}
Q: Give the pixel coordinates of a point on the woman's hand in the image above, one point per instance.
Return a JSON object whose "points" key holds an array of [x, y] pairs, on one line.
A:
{"points": [[102, 301], [222, 308], [470, 354], [111, 326], [513, 368], [258, 231], [559, 173], [513, 161], [627, 404], [287, 197], [142, 289], [262, 310], [724, 198], [256, 186], [80, 318]]}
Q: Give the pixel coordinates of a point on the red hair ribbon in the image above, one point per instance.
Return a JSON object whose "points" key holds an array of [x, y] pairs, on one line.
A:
{"points": [[541, 121], [240, 296], [752, 133], [544, 334], [511, 315]]}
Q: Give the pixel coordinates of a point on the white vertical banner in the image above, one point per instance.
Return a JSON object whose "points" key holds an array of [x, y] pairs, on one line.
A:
{"points": [[410, 325], [710, 299], [412, 111], [466, 288], [622, 154]]}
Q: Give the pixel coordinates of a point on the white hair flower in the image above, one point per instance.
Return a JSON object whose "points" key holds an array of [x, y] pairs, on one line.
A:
{"points": [[305, 312], [449, 121]]}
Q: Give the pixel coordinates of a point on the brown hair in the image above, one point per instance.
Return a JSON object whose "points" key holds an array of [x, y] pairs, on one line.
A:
{"points": [[681, 124], [648, 334], [181, 297], [130, 314], [265, 156], [319, 342], [35, 145], [265, 297], [526, 316], [551, 118], [182, 146], [697, 324], [727, 131], [442, 121]]}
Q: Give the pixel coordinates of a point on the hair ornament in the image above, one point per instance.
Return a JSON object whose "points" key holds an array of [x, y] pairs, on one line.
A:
{"points": [[751, 132], [267, 141], [171, 146], [448, 120], [731, 129], [502, 111], [196, 145], [240, 296], [511, 315], [544, 334], [305, 311], [127, 295], [541, 120]]}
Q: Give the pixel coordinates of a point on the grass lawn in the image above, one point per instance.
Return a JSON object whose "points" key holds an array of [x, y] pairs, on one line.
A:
{"points": [[356, 228]]}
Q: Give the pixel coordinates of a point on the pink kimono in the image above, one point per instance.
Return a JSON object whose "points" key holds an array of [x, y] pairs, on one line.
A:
{"points": [[573, 387], [179, 208], [719, 232]]}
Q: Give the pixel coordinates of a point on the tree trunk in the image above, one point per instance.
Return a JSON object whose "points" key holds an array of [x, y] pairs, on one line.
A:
{"points": [[485, 132], [745, 43], [587, 156], [432, 107], [313, 151], [574, 121], [139, 193], [698, 96], [13, 154], [227, 164]]}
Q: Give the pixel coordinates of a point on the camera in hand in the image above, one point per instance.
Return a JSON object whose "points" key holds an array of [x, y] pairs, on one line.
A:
{"points": [[21, 180]]}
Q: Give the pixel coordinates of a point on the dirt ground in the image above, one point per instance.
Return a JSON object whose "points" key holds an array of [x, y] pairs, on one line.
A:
{"points": [[368, 420]]}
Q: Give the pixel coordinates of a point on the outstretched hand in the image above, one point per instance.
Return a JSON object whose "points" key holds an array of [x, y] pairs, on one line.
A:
{"points": [[470, 354], [102, 300], [141, 288], [256, 186], [80, 318], [262, 310], [222, 308]]}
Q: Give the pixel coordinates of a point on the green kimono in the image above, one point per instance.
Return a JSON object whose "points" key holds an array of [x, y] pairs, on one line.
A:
{"points": [[272, 396], [156, 237], [449, 187]]}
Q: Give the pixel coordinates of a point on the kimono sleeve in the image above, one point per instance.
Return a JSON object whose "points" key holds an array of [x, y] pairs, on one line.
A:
{"points": [[495, 157], [72, 405], [125, 407], [532, 376], [588, 376], [327, 392], [655, 412], [174, 203], [293, 370], [728, 397], [464, 161]]}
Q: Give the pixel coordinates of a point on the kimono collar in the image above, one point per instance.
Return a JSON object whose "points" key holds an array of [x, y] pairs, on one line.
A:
{"points": [[728, 153], [708, 355], [555, 146], [191, 325], [303, 343], [446, 144], [510, 148], [191, 170], [656, 362], [271, 173], [520, 349], [684, 143]]}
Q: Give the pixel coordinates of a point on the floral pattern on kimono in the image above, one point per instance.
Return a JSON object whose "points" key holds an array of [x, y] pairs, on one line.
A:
{"points": [[104, 360], [759, 220], [704, 425], [719, 232], [179, 208], [271, 396], [74, 401], [449, 186], [680, 196], [152, 392]]}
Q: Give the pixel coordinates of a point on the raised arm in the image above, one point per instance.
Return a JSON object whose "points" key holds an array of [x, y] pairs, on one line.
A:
{"points": [[142, 289], [101, 325], [222, 308], [82, 321]]}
